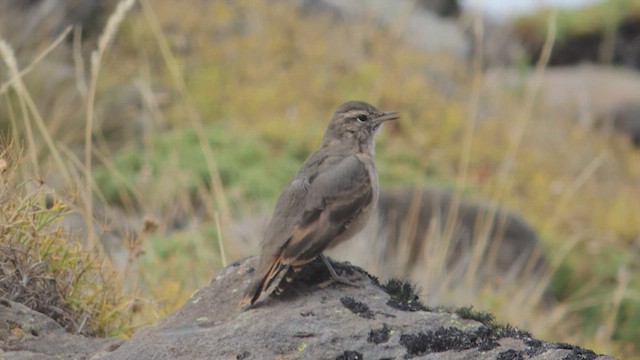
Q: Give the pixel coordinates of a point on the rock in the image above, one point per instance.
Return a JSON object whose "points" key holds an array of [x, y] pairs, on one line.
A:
{"points": [[584, 93], [626, 120], [308, 321], [415, 25], [444, 8], [27, 334], [592, 96], [30, 20], [406, 217]]}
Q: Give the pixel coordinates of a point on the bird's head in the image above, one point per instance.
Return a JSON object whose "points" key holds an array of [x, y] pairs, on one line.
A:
{"points": [[355, 123]]}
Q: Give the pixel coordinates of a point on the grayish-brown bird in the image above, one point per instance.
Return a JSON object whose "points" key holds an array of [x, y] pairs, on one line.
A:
{"points": [[329, 200]]}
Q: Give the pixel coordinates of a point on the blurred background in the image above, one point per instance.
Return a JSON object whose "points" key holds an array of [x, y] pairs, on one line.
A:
{"points": [[143, 145]]}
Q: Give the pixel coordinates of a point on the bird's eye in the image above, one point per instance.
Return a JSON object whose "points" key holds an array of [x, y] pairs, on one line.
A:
{"points": [[362, 118]]}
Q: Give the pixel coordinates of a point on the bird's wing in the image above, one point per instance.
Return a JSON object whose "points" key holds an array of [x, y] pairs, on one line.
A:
{"points": [[336, 197], [278, 233], [309, 214]]}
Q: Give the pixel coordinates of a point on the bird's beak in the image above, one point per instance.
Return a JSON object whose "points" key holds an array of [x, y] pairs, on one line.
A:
{"points": [[390, 115]]}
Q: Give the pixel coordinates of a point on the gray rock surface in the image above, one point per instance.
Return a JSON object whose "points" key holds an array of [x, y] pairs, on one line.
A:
{"points": [[311, 321], [27, 334]]}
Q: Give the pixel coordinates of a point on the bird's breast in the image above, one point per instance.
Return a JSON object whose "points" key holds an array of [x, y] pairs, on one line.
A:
{"points": [[370, 165]]}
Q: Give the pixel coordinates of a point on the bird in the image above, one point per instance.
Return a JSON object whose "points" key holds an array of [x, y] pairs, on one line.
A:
{"points": [[329, 200]]}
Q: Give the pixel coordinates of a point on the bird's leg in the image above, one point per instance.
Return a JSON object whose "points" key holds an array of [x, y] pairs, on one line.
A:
{"points": [[335, 278]]}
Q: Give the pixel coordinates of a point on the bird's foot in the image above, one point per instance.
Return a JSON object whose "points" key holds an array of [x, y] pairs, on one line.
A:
{"points": [[335, 278], [338, 280]]}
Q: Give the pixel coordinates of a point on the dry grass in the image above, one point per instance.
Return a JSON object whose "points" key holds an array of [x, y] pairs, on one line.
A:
{"points": [[44, 266]]}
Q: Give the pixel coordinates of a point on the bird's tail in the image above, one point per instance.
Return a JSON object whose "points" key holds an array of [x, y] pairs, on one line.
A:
{"points": [[263, 283]]}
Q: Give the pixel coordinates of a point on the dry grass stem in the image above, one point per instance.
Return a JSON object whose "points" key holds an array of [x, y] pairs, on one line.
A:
{"points": [[193, 115], [96, 59], [27, 102], [43, 54]]}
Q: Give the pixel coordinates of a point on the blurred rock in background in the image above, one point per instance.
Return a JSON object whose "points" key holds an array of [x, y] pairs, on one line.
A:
{"points": [[444, 8], [414, 24], [408, 218], [626, 120], [591, 95], [35, 19]]}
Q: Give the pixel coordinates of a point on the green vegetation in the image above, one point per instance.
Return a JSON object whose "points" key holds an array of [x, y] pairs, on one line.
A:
{"points": [[251, 86], [483, 317], [175, 164]]}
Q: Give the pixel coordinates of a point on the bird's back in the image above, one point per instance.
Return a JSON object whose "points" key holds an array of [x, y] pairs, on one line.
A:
{"points": [[292, 201]]}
